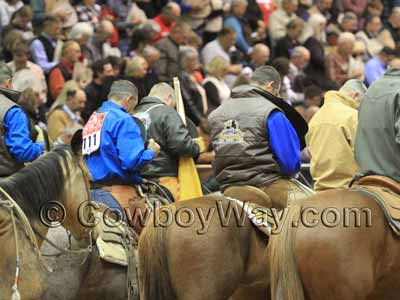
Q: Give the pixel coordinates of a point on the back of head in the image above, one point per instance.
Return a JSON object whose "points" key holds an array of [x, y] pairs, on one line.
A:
{"points": [[225, 31], [264, 75], [122, 89], [164, 92], [298, 51], [79, 30], [354, 88]]}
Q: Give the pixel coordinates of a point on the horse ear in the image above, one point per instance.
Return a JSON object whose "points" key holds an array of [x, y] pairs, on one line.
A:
{"points": [[76, 142]]}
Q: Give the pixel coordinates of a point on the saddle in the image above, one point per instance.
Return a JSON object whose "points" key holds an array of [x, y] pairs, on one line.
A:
{"points": [[386, 192], [248, 193]]}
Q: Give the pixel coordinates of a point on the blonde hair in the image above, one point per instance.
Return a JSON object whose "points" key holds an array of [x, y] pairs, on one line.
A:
{"points": [[217, 66]]}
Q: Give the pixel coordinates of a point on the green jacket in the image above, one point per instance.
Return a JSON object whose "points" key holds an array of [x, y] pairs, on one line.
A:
{"points": [[377, 147]]}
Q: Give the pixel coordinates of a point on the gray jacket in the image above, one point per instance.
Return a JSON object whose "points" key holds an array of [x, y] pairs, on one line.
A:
{"points": [[377, 147], [240, 139], [167, 67], [8, 164], [164, 125]]}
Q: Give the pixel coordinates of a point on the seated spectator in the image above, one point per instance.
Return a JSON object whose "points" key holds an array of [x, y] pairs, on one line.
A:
{"points": [[195, 12], [20, 62], [136, 71], [374, 37], [143, 35], [259, 57], [21, 22], [299, 59], [393, 25], [116, 64], [325, 8], [66, 116], [88, 11], [168, 65], [285, 45], [349, 23], [193, 94], [97, 90], [222, 47], [81, 33], [63, 72], [358, 7], [337, 64], [151, 55], [357, 65], [216, 88], [97, 43], [376, 66], [43, 47], [281, 64], [167, 20], [280, 18], [7, 8], [215, 20], [243, 30]]}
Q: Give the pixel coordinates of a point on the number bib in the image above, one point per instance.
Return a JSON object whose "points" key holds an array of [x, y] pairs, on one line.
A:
{"points": [[91, 135]]}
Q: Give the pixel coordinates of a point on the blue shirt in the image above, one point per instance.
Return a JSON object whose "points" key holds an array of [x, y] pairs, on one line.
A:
{"points": [[374, 69], [284, 143], [17, 137], [39, 55], [241, 42], [121, 153]]}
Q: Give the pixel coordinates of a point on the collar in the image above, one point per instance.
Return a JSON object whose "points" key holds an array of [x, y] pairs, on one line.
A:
{"points": [[68, 65], [112, 105], [392, 72], [74, 116], [336, 96]]}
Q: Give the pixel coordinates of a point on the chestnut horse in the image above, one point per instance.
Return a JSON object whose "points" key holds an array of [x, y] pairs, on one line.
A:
{"points": [[349, 261], [226, 258]]}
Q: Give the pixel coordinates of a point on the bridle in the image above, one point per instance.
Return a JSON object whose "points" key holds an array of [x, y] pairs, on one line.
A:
{"points": [[15, 211]]}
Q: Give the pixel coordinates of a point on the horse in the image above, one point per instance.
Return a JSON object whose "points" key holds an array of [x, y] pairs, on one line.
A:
{"points": [[185, 263], [56, 176], [357, 260]]}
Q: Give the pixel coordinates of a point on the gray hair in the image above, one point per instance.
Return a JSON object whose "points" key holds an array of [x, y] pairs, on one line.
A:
{"points": [[354, 85], [298, 51], [263, 75], [80, 29], [149, 51], [122, 89], [349, 16], [238, 2], [162, 90], [186, 53], [346, 37]]}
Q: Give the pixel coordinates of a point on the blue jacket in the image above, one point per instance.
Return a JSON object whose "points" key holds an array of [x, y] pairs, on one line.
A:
{"points": [[121, 153]]}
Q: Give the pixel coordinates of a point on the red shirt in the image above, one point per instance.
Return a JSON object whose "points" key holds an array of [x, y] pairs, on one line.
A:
{"points": [[165, 29], [57, 80]]}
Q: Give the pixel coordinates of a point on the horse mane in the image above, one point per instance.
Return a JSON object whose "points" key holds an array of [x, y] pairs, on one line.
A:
{"points": [[40, 182]]}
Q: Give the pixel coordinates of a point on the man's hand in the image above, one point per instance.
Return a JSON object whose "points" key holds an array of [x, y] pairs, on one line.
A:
{"points": [[154, 146]]}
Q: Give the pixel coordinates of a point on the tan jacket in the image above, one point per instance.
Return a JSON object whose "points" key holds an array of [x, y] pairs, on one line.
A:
{"points": [[330, 141], [57, 121]]}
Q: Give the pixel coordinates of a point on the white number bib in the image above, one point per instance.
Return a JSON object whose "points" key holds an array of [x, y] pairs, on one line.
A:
{"points": [[92, 133]]}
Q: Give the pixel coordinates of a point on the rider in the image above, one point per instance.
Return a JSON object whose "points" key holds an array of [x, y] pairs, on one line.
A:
{"points": [[254, 142], [163, 123], [113, 148], [377, 148], [16, 134]]}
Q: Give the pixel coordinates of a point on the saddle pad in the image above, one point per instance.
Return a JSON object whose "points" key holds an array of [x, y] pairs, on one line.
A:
{"points": [[388, 201]]}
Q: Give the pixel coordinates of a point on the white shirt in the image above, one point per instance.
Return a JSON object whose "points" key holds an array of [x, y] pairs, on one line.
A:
{"points": [[6, 11], [214, 49]]}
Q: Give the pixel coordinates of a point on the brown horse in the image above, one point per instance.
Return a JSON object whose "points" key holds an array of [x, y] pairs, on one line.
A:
{"points": [[349, 261], [57, 176], [227, 257]]}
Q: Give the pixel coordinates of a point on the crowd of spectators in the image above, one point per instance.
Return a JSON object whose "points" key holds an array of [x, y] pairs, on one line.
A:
{"points": [[66, 54]]}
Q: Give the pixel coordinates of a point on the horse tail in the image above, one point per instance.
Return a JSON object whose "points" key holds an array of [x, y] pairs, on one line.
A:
{"points": [[153, 264], [285, 278]]}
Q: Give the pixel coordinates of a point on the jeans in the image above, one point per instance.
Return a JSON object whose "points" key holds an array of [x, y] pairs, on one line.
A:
{"points": [[104, 197]]}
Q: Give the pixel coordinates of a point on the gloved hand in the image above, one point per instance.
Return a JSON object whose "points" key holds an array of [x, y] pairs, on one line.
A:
{"points": [[201, 142]]}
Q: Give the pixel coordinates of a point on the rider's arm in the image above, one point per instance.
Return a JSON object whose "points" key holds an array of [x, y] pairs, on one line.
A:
{"points": [[130, 146], [284, 143], [17, 137]]}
